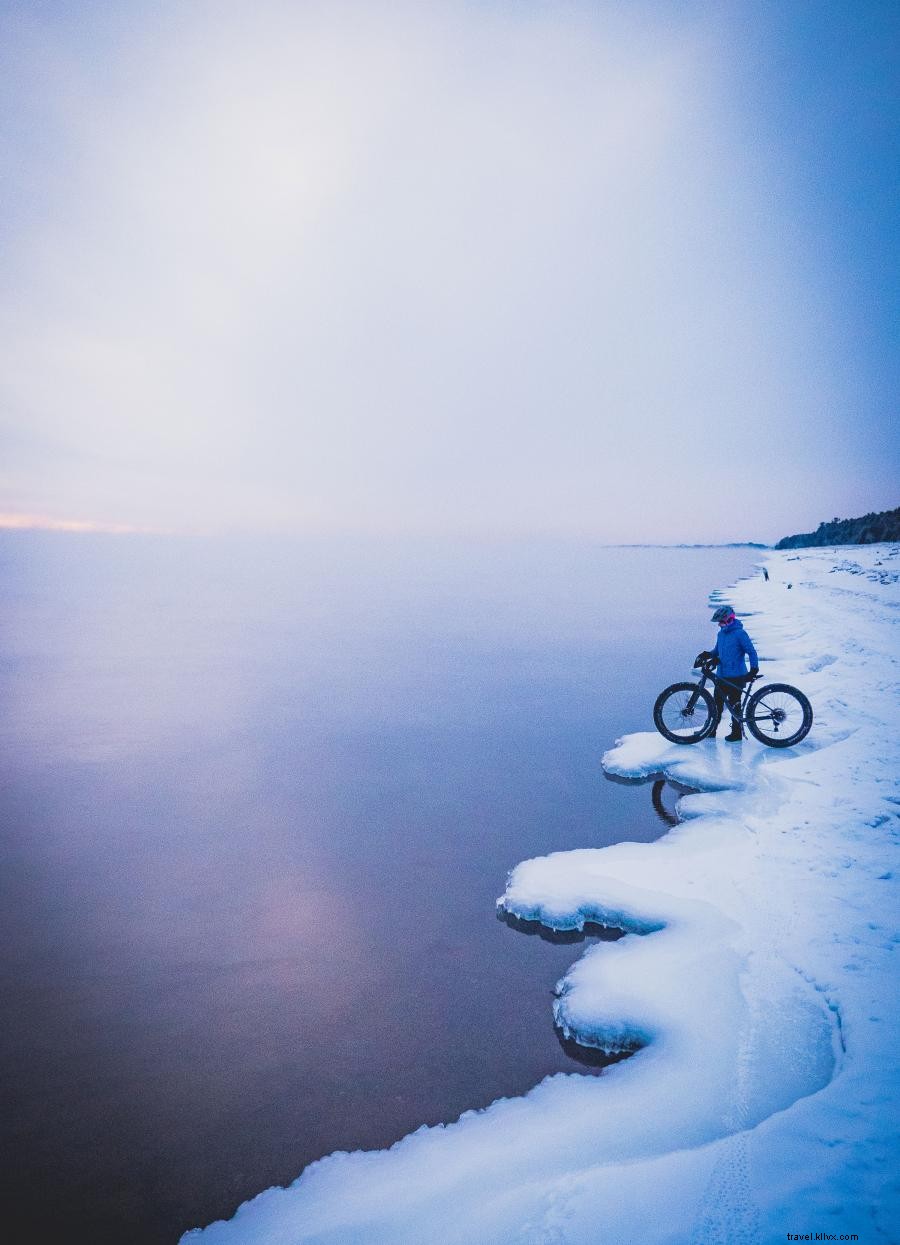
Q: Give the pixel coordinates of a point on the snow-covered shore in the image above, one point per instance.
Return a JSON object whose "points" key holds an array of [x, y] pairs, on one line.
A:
{"points": [[757, 977]]}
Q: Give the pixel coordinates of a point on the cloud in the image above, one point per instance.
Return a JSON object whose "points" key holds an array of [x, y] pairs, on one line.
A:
{"points": [[433, 266]]}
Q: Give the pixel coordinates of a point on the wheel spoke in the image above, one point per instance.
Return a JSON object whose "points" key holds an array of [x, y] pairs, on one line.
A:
{"points": [[780, 716], [684, 718], [684, 713]]}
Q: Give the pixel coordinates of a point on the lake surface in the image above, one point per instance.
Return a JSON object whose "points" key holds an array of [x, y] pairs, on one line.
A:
{"points": [[259, 799]]}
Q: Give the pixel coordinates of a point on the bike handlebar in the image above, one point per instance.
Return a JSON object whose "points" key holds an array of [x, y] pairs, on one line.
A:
{"points": [[707, 667]]}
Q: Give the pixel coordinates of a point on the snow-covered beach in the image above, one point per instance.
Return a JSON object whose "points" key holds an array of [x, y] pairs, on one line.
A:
{"points": [[756, 977]]}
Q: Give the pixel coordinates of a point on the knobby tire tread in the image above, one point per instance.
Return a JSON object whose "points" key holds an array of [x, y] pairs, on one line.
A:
{"points": [[702, 695], [759, 734]]}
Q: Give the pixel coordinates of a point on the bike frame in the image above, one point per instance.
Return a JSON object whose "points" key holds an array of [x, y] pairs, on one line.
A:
{"points": [[716, 679]]}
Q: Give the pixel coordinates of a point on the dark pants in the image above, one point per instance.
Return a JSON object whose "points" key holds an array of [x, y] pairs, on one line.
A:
{"points": [[730, 692]]}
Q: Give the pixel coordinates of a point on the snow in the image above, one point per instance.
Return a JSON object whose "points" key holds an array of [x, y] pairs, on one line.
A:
{"points": [[756, 980]]}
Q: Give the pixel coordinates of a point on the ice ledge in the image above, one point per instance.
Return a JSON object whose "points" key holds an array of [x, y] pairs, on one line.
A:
{"points": [[678, 982], [712, 765]]}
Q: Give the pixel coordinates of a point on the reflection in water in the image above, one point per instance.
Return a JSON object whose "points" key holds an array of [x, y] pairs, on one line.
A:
{"points": [[669, 816], [666, 814], [607, 933], [590, 1056]]}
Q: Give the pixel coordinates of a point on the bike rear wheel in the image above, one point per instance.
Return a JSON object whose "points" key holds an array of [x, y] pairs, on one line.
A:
{"points": [[684, 713], [779, 715]]}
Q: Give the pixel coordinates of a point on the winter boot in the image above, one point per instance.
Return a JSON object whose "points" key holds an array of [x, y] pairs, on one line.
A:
{"points": [[736, 735]]}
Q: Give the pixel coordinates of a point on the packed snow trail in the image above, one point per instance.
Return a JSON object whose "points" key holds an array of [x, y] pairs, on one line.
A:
{"points": [[757, 976]]}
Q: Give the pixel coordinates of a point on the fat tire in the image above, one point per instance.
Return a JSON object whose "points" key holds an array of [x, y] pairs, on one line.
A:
{"points": [[702, 695], [789, 740]]}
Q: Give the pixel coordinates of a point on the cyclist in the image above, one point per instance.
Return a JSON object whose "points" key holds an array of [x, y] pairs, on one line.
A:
{"points": [[729, 653]]}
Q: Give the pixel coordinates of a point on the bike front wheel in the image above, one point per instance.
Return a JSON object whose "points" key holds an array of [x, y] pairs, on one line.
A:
{"points": [[779, 715], [684, 713]]}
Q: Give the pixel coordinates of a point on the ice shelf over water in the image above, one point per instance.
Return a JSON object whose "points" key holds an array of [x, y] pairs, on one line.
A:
{"points": [[756, 978]]}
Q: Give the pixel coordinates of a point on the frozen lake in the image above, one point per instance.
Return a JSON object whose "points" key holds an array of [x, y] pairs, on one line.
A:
{"points": [[258, 802]]}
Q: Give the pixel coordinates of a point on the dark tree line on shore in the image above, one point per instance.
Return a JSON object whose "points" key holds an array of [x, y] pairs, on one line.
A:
{"points": [[867, 530]]}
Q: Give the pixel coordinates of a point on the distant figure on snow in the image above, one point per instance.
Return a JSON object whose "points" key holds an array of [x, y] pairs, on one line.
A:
{"points": [[731, 649], [765, 575]]}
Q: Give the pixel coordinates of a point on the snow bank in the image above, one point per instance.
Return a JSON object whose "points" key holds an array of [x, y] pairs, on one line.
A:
{"points": [[755, 982]]}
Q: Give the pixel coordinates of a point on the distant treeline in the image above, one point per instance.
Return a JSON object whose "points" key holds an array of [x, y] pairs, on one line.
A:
{"points": [[865, 531]]}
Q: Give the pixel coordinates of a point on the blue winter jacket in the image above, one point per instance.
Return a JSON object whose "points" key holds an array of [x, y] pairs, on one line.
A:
{"points": [[731, 645]]}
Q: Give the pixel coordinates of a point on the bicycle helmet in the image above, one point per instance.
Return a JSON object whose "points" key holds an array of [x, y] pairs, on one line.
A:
{"points": [[723, 613]]}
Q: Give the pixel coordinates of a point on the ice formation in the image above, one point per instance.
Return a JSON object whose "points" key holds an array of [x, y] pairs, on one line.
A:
{"points": [[756, 980]]}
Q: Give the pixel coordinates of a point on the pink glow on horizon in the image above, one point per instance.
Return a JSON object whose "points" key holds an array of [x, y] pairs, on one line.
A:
{"points": [[46, 523]]}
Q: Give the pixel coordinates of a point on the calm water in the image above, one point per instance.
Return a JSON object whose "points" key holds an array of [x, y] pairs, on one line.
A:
{"points": [[258, 803]]}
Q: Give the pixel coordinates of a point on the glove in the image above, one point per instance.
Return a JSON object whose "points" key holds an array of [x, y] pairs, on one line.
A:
{"points": [[701, 658], [754, 672]]}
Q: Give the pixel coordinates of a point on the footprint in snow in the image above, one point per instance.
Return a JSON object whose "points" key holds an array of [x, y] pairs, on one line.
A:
{"points": [[820, 663]]}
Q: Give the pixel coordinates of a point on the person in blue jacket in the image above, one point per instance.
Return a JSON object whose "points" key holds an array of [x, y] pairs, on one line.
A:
{"points": [[732, 648]]}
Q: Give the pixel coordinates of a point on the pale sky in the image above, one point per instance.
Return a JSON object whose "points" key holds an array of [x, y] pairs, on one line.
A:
{"points": [[611, 270]]}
